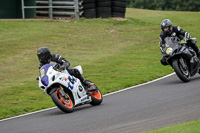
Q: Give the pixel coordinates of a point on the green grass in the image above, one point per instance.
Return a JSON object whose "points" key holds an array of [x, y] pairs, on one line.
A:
{"points": [[189, 127], [114, 54]]}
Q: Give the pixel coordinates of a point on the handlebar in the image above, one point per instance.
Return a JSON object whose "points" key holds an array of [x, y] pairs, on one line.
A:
{"points": [[59, 68]]}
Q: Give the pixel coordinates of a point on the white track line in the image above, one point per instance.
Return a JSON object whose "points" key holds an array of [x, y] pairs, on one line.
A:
{"points": [[140, 84], [27, 114], [103, 95]]}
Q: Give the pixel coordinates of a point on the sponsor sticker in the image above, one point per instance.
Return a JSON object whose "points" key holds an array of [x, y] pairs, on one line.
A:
{"points": [[83, 99], [42, 73]]}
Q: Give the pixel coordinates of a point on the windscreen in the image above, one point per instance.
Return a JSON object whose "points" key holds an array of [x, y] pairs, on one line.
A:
{"points": [[43, 72]]}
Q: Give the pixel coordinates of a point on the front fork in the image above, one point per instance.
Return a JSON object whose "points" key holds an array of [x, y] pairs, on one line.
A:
{"points": [[182, 63], [63, 94]]}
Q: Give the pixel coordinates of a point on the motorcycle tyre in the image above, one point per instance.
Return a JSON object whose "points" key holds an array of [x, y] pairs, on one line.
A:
{"points": [[179, 73], [60, 103], [96, 98]]}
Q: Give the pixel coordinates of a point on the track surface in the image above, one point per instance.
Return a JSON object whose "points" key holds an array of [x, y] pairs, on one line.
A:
{"points": [[147, 107]]}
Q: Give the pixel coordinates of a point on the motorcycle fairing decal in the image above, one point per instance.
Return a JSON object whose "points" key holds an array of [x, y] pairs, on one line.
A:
{"points": [[70, 86], [83, 99], [80, 88], [72, 82], [72, 79], [63, 78], [42, 73]]}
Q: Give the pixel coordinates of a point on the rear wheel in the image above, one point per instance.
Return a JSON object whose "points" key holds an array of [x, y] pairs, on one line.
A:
{"points": [[64, 103], [182, 73], [96, 97]]}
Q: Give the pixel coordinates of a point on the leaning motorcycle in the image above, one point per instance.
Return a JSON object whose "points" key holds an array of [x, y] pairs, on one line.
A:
{"points": [[65, 90], [181, 57]]}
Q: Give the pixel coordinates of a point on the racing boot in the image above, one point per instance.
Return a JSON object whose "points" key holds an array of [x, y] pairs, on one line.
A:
{"points": [[81, 78], [196, 49], [84, 82], [87, 83]]}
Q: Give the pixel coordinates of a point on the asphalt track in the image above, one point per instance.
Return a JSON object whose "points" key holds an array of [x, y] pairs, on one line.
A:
{"points": [[142, 108]]}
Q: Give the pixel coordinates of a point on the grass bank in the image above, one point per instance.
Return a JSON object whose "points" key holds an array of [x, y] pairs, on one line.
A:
{"points": [[189, 127], [114, 54]]}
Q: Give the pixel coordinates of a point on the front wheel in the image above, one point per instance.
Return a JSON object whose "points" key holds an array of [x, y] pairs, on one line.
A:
{"points": [[64, 103], [182, 73]]}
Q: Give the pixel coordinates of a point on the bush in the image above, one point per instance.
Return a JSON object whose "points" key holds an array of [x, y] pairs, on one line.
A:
{"points": [[178, 5]]}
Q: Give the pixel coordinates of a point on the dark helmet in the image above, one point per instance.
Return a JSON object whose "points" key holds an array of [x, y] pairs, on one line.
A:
{"points": [[43, 54], [166, 23]]}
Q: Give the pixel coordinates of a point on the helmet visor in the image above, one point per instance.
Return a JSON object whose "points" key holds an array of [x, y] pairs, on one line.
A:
{"points": [[43, 58]]}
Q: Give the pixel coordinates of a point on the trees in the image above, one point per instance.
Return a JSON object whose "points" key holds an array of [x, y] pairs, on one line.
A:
{"points": [[178, 5]]}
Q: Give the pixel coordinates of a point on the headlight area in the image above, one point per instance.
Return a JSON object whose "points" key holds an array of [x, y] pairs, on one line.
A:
{"points": [[169, 51]]}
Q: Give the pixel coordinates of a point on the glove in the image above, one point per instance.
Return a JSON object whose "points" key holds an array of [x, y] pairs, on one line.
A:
{"points": [[65, 65], [187, 36]]}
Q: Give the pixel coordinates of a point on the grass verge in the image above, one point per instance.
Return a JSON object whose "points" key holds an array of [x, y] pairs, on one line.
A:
{"points": [[189, 127]]}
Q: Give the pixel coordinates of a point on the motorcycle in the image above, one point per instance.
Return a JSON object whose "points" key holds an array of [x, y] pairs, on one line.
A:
{"points": [[65, 90], [181, 57]]}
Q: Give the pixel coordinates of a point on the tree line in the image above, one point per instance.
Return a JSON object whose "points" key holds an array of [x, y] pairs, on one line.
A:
{"points": [[178, 5]]}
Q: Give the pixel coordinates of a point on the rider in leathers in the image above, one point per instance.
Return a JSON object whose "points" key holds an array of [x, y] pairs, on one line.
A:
{"points": [[169, 30], [45, 57]]}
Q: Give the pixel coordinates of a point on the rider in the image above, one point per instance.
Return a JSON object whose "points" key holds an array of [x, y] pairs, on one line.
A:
{"points": [[169, 30], [45, 57]]}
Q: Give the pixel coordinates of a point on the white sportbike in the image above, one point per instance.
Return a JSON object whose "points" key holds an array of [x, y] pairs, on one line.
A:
{"points": [[65, 90]]}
